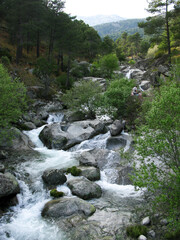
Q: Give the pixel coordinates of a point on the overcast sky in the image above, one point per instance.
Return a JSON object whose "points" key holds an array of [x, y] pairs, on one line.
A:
{"points": [[123, 8]]}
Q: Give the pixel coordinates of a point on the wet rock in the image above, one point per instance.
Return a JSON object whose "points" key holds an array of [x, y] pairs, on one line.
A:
{"points": [[64, 207], [19, 141], [84, 188], [54, 177], [123, 175], [114, 143], [101, 158], [91, 173], [94, 232], [29, 125], [8, 185], [53, 136], [117, 127], [145, 85]]}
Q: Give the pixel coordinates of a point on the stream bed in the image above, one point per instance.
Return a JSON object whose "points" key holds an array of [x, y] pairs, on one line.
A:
{"points": [[24, 221]]}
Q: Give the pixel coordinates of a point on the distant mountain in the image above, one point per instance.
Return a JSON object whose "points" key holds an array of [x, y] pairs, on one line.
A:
{"points": [[100, 19], [115, 29]]}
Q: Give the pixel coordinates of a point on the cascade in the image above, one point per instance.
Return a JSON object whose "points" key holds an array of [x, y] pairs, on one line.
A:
{"points": [[24, 221]]}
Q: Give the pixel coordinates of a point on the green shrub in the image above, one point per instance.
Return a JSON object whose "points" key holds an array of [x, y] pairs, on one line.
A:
{"points": [[74, 171], [5, 61], [108, 64], [174, 235], [135, 231], [159, 139], [116, 97], [56, 194], [83, 97], [61, 81], [12, 99], [5, 52], [131, 62]]}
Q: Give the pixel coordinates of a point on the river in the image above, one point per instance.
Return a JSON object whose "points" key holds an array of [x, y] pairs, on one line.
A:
{"points": [[24, 221]]}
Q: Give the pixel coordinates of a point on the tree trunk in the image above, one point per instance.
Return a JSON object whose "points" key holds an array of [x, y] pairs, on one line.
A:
{"points": [[68, 73], [38, 44], [167, 32], [19, 42]]}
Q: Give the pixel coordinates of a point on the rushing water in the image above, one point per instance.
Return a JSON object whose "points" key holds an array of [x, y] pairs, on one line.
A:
{"points": [[24, 221]]}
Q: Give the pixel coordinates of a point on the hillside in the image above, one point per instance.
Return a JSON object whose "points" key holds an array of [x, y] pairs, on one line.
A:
{"points": [[100, 19], [115, 29]]}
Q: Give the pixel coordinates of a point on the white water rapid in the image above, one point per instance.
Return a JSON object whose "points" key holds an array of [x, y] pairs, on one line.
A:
{"points": [[24, 221]]}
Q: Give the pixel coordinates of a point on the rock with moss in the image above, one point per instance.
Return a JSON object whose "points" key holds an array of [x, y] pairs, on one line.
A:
{"points": [[74, 171], [84, 188], [64, 207], [54, 177], [56, 194]]}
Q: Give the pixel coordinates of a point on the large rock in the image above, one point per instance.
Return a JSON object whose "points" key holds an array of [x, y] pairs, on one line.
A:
{"points": [[117, 127], [123, 175], [145, 85], [8, 185], [63, 137], [84, 188], [54, 177], [19, 141], [91, 173], [101, 158], [65, 207]]}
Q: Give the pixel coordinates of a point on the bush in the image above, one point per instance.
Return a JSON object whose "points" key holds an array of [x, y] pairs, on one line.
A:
{"points": [[83, 97], [116, 97], [108, 64], [174, 235], [158, 149], [131, 62], [74, 171], [5, 61], [56, 194], [135, 231], [152, 51], [5, 52], [61, 81], [12, 99]]}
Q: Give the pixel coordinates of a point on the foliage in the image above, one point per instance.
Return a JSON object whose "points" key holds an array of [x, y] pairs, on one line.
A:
{"points": [[5, 61], [152, 51], [135, 231], [129, 45], [108, 64], [61, 81], [115, 30], [74, 171], [115, 99], [12, 99], [44, 70], [175, 235], [158, 146], [83, 97], [56, 194]]}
